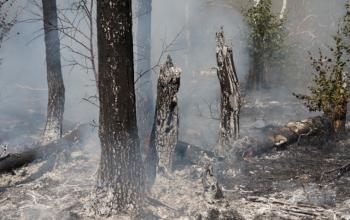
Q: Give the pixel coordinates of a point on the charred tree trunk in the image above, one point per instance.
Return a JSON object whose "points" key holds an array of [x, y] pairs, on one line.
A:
{"points": [[165, 129], [144, 97], [230, 92], [55, 107], [120, 178]]}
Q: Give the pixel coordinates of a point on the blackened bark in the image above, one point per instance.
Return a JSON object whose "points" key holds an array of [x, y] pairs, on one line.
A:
{"points": [[55, 106], [230, 92], [144, 97], [165, 129], [120, 178]]}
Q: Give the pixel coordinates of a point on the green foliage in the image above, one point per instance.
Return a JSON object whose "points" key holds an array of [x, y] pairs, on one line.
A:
{"points": [[329, 92], [267, 32]]}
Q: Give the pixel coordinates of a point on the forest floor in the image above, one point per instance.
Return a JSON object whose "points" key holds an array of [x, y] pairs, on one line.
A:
{"points": [[280, 185]]}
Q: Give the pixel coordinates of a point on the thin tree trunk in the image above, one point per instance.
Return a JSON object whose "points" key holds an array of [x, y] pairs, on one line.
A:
{"points": [[283, 9], [165, 130], [339, 118], [144, 98], [120, 178], [340, 111], [55, 107], [230, 92]]}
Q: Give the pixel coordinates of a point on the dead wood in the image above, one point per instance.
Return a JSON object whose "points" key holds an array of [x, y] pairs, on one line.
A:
{"points": [[230, 92], [216, 207], [271, 138], [11, 161], [291, 210], [337, 173], [193, 154], [278, 138], [164, 136]]}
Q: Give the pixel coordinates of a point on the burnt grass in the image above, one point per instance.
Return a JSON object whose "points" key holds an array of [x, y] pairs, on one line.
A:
{"points": [[302, 165], [293, 175]]}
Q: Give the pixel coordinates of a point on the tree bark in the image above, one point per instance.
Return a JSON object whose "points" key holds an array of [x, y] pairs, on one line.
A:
{"points": [[230, 92], [56, 95], [165, 129], [144, 97], [120, 178]]}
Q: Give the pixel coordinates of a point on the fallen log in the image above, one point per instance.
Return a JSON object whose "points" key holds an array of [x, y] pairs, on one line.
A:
{"points": [[278, 138], [269, 139], [13, 160]]}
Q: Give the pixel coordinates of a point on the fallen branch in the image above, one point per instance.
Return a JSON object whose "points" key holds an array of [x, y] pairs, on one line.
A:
{"points": [[339, 172], [297, 210], [11, 161]]}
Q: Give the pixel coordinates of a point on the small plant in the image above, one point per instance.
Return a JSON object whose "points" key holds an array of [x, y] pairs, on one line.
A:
{"points": [[265, 42], [330, 92]]}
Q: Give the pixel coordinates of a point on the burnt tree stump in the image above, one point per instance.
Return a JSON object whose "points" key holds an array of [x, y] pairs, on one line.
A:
{"points": [[164, 136], [230, 92]]}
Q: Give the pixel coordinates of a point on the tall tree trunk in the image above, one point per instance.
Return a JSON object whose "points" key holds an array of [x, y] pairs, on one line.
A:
{"points": [[144, 98], [230, 92], [55, 107], [165, 130], [120, 177]]}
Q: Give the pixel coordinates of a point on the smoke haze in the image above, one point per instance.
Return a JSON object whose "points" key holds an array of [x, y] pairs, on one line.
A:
{"points": [[311, 24]]}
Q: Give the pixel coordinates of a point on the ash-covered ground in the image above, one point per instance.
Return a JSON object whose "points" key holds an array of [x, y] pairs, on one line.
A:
{"points": [[287, 184]]}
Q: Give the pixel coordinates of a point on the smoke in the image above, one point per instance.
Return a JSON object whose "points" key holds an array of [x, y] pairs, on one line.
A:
{"points": [[195, 53], [311, 24]]}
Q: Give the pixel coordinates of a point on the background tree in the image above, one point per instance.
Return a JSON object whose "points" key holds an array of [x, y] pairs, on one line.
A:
{"points": [[330, 91], [265, 42], [120, 177], [56, 96], [145, 105], [6, 23], [77, 26]]}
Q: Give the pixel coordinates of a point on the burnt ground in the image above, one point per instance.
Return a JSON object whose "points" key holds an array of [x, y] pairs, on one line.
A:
{"points": [[280, 185]]}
